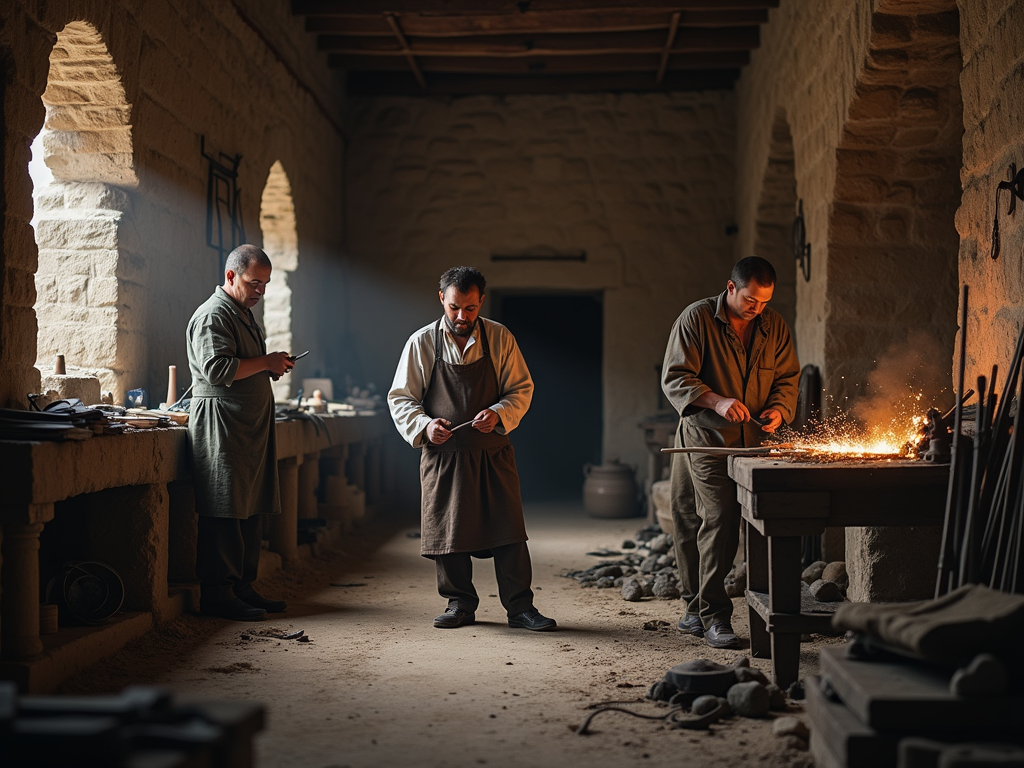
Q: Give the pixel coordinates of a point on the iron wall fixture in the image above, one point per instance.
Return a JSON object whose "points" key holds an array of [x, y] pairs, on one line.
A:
{"points": [[1016, 186], [801, 248], [541, 254], [224, 227]]}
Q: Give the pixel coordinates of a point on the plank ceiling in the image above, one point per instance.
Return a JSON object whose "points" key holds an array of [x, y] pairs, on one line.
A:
{"points": [[459, 47]]}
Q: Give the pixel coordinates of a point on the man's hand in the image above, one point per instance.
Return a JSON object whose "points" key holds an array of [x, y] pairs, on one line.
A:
{"points": [[771, 419], [731, 409], [437, 431], [278, 364], [485, 421]]}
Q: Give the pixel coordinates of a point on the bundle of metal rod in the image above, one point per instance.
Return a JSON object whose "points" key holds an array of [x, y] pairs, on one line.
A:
{"points": [[984, 526]]}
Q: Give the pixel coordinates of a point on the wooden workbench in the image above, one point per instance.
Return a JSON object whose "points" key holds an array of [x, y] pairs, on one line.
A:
{"points": [[782, 501]]}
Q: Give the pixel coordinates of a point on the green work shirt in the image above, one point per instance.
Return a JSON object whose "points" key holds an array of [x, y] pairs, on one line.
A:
{"points": [[704, 354], [231, 423]]}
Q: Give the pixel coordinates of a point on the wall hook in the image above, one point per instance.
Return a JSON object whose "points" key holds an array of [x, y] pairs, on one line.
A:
{"points": [[1016, 186], [801, 248]]}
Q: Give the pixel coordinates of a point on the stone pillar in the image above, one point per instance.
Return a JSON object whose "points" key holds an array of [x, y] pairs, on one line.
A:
{"points": [[284, 528], [19, 607], [309, 479], [892, 564]]}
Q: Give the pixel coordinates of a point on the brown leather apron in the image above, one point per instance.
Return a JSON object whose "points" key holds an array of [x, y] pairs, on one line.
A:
{"points": [[470, 486]]}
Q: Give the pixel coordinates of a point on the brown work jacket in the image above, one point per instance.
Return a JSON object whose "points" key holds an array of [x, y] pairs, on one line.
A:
{"points": [[705, 354]]}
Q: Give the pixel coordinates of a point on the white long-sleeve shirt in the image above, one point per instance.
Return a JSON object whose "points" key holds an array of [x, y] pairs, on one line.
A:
{"points": [[405, 400]]}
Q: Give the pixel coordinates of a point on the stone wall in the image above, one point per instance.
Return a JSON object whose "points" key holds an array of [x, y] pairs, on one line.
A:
{"points": [[642, 184], [124, 259], [992, 80], [868, 94]]}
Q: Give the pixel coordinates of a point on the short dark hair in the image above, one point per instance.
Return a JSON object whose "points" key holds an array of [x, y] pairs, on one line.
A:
{"points": [[753, 269], [463, 278], [243, 257]]}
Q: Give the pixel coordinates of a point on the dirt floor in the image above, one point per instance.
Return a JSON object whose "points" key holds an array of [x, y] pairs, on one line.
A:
{"points": [[377, 685]]}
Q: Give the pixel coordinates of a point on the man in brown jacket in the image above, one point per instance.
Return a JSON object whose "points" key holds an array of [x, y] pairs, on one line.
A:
{"points": [[731, 372]]}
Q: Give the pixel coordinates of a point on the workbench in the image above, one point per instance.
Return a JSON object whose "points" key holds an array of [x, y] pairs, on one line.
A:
{"points": [[783, 500]]}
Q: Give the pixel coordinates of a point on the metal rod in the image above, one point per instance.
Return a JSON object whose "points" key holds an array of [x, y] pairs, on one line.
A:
{"points": [[953, 490]]}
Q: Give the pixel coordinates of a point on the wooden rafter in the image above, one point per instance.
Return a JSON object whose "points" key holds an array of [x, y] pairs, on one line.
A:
{"points": [[397, 29], [540, 46], [420, 25], [740, 38], [667, 51]]}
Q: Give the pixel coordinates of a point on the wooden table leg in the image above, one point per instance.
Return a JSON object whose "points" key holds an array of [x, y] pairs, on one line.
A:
{"points": [[784, 598], [757, 581]]}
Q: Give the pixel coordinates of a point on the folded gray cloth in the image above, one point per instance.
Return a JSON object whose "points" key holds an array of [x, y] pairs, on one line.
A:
{"points": [[948, 630]]}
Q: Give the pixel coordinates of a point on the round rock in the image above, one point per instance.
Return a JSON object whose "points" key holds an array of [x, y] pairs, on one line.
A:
{"points": [[632, 592], [791, 726], [826, 591], [749, 699], [813, 571], [776, 698], [746, 674], [836, 572], [702, 705]]}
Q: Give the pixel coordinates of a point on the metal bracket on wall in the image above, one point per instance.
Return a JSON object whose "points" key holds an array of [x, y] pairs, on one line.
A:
{"points": [[1016, 186], [224, 227], [801, 248]]}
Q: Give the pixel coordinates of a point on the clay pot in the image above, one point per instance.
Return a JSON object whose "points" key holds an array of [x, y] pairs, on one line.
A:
{"points": [[609, 490]]}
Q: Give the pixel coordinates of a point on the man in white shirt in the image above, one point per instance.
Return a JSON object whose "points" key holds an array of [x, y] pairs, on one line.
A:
{"points": [[461, 386]]}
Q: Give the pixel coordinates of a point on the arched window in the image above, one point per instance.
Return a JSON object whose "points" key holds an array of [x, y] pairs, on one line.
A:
{"points": [[84, 284], [281, 243]]}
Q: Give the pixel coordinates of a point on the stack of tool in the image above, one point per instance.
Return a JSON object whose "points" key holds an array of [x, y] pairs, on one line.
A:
{"points": [[983, 535]]}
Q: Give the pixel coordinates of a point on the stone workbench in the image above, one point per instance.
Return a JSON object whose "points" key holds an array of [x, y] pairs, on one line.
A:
{"points": [[126, 500]]}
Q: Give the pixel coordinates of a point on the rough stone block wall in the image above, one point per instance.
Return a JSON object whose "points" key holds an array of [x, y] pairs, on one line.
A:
{"points": [[806, 71], [643, 184], [992, 81], [247, 77], [875, 121]]}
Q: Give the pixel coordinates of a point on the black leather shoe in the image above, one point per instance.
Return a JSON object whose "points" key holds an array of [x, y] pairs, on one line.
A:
{"points": [[232, 608], [253, 598], [720, 635], [454, 616], [532, 619], [691, 625]]}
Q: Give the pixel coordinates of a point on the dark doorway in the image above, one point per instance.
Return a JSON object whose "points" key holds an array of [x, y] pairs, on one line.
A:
{"points": [[561, 337]]}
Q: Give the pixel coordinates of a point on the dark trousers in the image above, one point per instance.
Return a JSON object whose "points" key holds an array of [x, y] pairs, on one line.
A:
{"points": [[512, 569], [228, 555]]}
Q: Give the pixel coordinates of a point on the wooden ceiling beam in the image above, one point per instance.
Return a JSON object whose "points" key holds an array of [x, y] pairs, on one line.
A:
{"points": [[416, 25], [460, 7], [554, 65], [404, 84], [410, 59], [742, 38]]}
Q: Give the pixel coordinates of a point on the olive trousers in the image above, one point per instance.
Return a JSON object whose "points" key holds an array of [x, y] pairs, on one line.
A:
{"points": [[706, 519]]}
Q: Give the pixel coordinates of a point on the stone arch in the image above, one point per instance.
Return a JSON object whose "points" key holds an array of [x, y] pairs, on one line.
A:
{"points": [[85, 284], [776, 209], [281, 243], [892, 274]]}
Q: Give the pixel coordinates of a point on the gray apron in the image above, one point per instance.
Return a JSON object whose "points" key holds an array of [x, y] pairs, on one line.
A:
{"points": [[470, 485], [231, 428]]}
